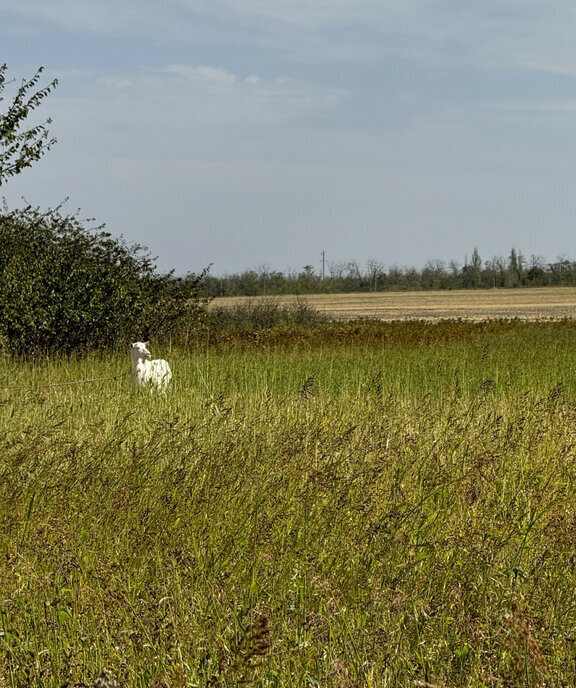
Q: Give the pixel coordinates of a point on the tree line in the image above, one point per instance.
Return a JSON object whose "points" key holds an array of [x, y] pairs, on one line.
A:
{"points": [[514, 270]]}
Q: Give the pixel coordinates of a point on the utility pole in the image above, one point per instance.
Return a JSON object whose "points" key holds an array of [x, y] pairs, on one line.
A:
{"points": [[323, 264]]}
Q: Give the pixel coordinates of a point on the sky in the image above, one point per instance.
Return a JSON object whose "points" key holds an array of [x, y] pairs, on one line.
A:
{"points": [[257, 134]]}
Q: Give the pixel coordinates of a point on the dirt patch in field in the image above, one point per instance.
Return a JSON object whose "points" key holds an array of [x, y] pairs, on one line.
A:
{"points": [[548, 303]]}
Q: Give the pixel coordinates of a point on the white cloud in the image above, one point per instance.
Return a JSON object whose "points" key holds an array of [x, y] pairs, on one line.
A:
{"points": [[185, 112], [211, 75]]}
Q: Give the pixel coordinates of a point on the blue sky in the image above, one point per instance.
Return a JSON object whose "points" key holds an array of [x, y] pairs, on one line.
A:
{"points": [[252, 133]]}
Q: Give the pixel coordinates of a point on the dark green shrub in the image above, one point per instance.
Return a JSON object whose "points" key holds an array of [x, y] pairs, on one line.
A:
{"points": [[65, 287]]}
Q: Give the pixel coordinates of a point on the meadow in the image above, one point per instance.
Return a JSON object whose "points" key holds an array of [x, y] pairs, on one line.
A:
{"points": [[362, 504]]}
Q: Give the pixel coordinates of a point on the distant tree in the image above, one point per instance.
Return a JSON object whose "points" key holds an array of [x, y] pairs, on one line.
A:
{"points": [[498, 272], [394, 277], [515, 268], [336, 270], [412, 278], [20, 148], [375, 273], [263, 272], [434, 275], [535, 274], [562, 271], [476, 265], [454, 268], [352, 277], [307, 280], [472, 271]]}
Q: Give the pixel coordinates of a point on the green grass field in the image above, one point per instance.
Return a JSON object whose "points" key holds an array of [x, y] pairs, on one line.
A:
{"points": [[362, 505]]}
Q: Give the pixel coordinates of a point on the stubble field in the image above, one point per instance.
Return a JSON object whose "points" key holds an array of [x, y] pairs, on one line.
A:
{"points": [[372, 505], [469, 304]]}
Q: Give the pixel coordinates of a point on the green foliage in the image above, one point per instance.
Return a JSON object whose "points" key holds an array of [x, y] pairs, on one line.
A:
{"points": [[357, 513], [65, 287], [19, 149]]}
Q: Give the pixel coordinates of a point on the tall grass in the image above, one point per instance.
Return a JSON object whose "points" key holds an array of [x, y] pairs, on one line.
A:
{"points": [[338, 512]]}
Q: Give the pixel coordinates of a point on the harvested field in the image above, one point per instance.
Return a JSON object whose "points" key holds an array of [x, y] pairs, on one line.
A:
{"points": [[545, 303]]}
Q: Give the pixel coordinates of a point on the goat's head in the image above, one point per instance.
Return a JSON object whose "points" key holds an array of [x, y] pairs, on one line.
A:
{"points": [[139, 350]]}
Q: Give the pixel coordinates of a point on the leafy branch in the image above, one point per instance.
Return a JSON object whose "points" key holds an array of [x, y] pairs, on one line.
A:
{"points": [[19, 149]]}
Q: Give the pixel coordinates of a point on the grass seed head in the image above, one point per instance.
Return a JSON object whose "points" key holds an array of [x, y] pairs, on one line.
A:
{"points": [[105, 680]]}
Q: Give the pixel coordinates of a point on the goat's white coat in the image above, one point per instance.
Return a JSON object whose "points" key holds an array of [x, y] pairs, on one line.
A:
{"points": [[152, 374]]}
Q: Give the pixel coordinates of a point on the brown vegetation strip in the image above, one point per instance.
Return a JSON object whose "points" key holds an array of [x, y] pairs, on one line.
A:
{"points": [[546, 303]]}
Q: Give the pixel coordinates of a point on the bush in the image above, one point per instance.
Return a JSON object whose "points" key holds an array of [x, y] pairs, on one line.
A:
{"points": [[65, 287], [264, 315]]}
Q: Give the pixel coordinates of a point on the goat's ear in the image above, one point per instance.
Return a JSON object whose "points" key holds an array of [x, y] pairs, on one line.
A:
{"points": [[146, 343]]}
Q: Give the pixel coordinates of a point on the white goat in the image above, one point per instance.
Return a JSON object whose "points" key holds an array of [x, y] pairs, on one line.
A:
{"points": [[154, 375]]}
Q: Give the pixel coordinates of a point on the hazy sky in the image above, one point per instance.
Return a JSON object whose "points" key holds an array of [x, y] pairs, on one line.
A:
{"points": [[248, 133]]}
